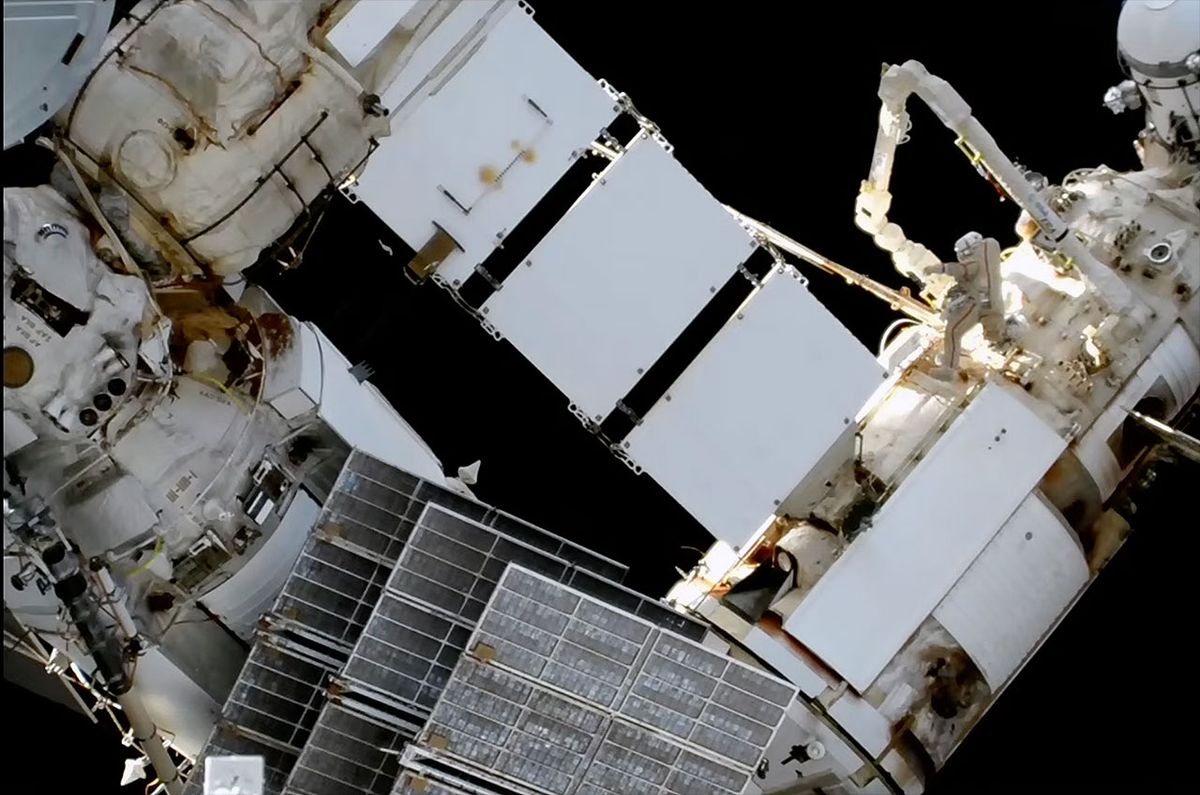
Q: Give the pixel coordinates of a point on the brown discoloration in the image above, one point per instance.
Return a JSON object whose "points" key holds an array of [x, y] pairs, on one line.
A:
{"points": [[484, 652], [953, 681], [488, 175], [437, 741], [211, 323], [332, 530], [277, 332], [432, 254], [335, 691]]}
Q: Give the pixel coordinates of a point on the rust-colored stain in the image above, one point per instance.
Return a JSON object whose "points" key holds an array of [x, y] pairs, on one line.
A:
{"points": [[277, 333], [488, 175], [212, 323], [437, 741], [484, 652], [431, 255], [528, 155]]}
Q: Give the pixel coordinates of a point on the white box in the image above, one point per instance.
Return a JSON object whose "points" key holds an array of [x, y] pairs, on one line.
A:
{"points": [[233, 775]]}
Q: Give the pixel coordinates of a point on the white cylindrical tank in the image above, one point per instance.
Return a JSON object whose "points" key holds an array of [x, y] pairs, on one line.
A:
{"points": [[1159, 40]]}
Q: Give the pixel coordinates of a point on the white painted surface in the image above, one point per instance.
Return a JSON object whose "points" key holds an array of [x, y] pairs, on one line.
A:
{"points": [[926, 535], [360, 415], [785, 661], [750, 416], [477, 134], [862, 722], [1013, 592], [1177, 362], [438, 54], [245, 596], [365, 25], [17, 433], [619, 277], [177, 704]]}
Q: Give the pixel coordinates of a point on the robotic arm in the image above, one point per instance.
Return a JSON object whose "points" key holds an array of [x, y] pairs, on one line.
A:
{"points": [[913, 259]]}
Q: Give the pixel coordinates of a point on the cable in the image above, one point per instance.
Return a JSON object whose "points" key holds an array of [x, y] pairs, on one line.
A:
{"points": [[158, 548], [892, 327], [206, 379]]}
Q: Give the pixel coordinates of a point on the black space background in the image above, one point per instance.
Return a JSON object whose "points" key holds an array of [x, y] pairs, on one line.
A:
{"points": [[773, 108]]}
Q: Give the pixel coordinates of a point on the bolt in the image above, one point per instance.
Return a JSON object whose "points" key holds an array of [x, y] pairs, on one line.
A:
{"points": [[667, 398], [485, 310], [528, 263], [712, 289], [1029, 536], [640, 371]]}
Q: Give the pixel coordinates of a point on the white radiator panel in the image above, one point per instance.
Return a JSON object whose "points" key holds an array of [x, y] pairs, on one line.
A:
{"points": [[619, 277], [1015, 590], [485, 122], [890, 579], [758, 409]]}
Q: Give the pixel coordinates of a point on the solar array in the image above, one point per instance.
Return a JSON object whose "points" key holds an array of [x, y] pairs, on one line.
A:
{"points": [[371, 621], [563, 695]]}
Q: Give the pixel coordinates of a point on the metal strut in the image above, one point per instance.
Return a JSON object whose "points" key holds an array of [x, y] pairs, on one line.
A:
{"points": [[898, 300]]}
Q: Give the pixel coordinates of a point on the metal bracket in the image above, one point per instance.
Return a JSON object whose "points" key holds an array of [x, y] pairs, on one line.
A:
{"points": [[492, 281], [470, 310], [628, 412]]}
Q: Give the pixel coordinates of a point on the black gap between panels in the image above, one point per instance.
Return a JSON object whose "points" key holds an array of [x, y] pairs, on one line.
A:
{"points": [[687, 346], [549, 210], [516, 247]]}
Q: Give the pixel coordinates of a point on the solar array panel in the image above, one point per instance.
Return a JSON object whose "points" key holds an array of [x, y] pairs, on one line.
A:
{"points": [[562, 694], [347, 754], [329, 596], [431, 603]]}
